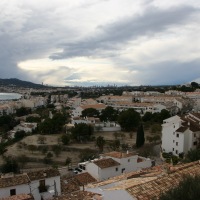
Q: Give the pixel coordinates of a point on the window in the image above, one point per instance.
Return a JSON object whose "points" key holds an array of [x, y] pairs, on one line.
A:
{"points": [[42, 187], [176, 143], [116, 169], [12, 192], [176, 151], [174, 126], [128, 160], [173, 141], [194, 143], [177, 135], [173, 149], [123, 170]]}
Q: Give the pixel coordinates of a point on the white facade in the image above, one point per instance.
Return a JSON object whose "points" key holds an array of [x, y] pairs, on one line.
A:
{"points": [[25, 126], [20, 189], [26, 185], [179, 135], [126, 163]]}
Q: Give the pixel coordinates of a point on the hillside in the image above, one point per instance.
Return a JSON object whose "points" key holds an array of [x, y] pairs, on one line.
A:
{"points": [[19, 83]]}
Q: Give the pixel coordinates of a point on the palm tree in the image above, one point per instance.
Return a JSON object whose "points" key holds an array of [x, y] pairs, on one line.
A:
{"points": [[100, 142]]}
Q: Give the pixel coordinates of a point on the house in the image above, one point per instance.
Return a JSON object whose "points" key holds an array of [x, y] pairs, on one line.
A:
{"points": [[39, 184], [77, 112], [145, 184], [13, 185], [113, 164], [25, 126], [45, 183], [180, 134], [98, 125]]}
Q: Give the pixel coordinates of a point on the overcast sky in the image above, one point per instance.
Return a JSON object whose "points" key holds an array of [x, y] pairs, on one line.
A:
{"points": [[100, 42]]}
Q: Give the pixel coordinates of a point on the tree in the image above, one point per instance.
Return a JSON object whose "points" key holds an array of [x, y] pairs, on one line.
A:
{"points": [[22, 159], [147, 117], [140, 136], [90, 112], [115, 145], [188, 188], [87, 154], [129, 119], [65, 139], [194, 84], [32, 119], [57, 150], [32, 148], [109, 114], [82, 132], [43, 149], [193, 155], [100, 142], [23, 111], [10, 165], [68, 161], [41, 139], [19, 135], [164, 114]]}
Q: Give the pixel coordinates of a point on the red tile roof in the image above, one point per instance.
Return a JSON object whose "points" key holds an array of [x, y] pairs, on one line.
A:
{"points": [[116, 154], [106, 163], [14, 180]]}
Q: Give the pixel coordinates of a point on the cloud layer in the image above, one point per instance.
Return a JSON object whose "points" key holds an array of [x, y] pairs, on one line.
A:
{"points": [[97, 42]]}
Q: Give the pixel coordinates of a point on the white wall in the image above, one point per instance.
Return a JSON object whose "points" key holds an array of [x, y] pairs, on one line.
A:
{"points": [[5, 192], [49, 182]]}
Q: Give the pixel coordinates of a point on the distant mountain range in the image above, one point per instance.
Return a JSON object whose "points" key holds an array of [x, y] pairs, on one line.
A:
{"points": [[19, 83]]}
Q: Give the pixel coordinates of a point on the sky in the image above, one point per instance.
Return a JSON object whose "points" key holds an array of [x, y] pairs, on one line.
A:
{"points": [[100, 42]]}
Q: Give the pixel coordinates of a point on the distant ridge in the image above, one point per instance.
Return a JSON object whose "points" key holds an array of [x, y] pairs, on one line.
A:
{"points": [[19, 83]]}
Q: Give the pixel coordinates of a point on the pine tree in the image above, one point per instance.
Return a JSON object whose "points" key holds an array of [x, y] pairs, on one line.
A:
{"points": [[140, 136]]}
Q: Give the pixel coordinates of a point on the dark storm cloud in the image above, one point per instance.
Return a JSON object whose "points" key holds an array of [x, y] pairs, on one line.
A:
{"points": [[117, 34]]}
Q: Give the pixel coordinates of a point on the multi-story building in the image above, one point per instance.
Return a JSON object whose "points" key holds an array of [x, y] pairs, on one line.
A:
{"points": [[180, 134]]}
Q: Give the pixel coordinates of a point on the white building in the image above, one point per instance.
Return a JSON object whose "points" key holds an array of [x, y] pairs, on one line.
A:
{"points": [[115, 163], [26, 126], [77, 112], [180, 134], [40, 184]]}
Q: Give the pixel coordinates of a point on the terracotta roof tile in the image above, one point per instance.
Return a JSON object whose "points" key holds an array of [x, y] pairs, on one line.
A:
{"points": [[14, 180], [153, 189], [80, 195], [106, 163], [19, 197], [116, 154], [37, 175]]}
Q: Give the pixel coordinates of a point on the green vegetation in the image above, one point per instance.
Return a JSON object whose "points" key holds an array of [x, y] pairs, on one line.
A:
{"points": [[129, 119], [188, 189], [140, 139], [90, 112], [109, 114], [82, 132], [100, 142], [54, 125]]}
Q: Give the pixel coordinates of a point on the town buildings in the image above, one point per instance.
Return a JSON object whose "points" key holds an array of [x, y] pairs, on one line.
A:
{"points": [[113, 164], [181, 134], [39, 184]]}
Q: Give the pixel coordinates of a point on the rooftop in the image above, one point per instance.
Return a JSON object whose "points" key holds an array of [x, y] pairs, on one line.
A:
{"points": [[14, 180], [19, 197], [153, 189], [42, 174], [116, 154], [106, 163]]}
